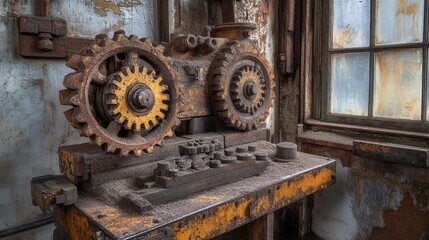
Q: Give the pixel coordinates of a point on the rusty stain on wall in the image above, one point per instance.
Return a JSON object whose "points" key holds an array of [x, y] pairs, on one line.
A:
{"points": [[101, 7]]}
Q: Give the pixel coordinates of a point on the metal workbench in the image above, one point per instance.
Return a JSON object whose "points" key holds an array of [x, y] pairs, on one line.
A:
{"points": [[203, 215]]}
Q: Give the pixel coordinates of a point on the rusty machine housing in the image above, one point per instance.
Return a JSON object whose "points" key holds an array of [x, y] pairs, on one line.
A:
{"points": [[163, 116]]}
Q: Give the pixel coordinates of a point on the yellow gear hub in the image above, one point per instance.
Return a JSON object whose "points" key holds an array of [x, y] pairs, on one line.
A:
{"points": [[125, 110], [249, 80]]}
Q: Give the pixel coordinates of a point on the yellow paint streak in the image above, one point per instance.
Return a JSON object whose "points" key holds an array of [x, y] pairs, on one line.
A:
{"points": [[229, 215], [102, 6], [308, 182], [74, 223], [374, 148], [219, 221]]}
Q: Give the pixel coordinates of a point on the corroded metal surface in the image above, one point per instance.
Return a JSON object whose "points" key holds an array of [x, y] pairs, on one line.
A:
{"points": [[91, 113], [213, 212], [228, 78]]}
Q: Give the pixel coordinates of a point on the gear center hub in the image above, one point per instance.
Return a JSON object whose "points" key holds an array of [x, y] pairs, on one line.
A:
{"points": [[140, 98], [250, 89]]}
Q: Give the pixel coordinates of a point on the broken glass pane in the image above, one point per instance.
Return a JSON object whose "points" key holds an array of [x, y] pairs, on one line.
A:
{"points": [[398, 84], [350, 23], [398, 21], [350, 83]]}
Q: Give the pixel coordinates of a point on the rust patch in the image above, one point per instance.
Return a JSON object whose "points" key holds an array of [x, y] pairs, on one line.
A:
{"points": [[408, 222], [102, 6]]}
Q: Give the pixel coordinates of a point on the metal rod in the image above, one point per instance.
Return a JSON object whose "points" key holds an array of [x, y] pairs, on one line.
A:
{"points": [[26, 227]]}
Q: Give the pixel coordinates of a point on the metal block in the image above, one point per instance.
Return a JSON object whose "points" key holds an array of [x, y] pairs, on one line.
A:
{"points": [[48, 191], [396, 153]]}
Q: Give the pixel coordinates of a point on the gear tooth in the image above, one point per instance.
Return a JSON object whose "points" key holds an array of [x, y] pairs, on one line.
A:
{"points": [[160, 143], [138, 152], [87, 131], [119, 36], [75, 62], [160, 48], [69, 116], [74, 99], [98, 140], [133, 37], [149, 150], [170, 133], [136, 127], [124, 152], [78, 116], [96, 49], [64, 95], [101, 40], [86, 60], [110, 148], [147, 41], [72, 80]]}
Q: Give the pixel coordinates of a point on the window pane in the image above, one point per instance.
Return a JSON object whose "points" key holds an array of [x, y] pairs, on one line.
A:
{"points": [[399, 21], [398, 84], [350, 83], [350, 23]]}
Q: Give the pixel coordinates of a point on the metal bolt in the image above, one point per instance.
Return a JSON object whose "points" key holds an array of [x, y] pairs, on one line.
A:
{"points": [[143, 98], [285, 151], [229, 152], [251, 148], [244, 156], [250, 89], [173, 172], [261, 156], [218, 155], [214, 164], [240, 149], [148, 184]]}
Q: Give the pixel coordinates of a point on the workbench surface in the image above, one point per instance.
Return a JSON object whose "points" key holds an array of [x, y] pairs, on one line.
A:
{"points": [[206, 214]]}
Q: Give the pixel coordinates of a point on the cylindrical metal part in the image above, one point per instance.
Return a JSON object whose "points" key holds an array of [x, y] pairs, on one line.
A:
{"points": [[229, 152], [244, 156], [240, 149], [261, 156], [162, 168], [214, 164], [285, 151], [218, 155], [251, 148]]}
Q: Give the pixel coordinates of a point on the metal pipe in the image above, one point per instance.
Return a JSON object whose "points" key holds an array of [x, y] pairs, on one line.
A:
{"points": [[26, 227]]}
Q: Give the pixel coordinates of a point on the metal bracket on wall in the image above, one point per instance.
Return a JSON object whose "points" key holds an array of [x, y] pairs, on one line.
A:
{"points": [[46, 38]]}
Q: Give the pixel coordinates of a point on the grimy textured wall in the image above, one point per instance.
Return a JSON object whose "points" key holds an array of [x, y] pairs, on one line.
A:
{"points": [[32, 125]]}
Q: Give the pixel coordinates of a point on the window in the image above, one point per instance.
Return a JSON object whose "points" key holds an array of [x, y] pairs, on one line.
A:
{"points": [[375, 63]]}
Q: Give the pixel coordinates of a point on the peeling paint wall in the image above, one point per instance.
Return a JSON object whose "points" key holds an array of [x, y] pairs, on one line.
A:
{"points": [[371, 199], [32, 123]]}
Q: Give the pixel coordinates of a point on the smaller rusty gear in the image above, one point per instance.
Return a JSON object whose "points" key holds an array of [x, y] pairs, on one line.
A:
{"points": [[248, 89], [241, 86], [139, 99]]}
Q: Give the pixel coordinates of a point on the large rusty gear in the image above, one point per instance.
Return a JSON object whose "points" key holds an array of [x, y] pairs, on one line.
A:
{"points": [[241, 86], [89, 92]]}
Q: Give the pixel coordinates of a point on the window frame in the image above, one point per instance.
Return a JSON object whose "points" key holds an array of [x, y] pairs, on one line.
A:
{"points": [[322, 67]]}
